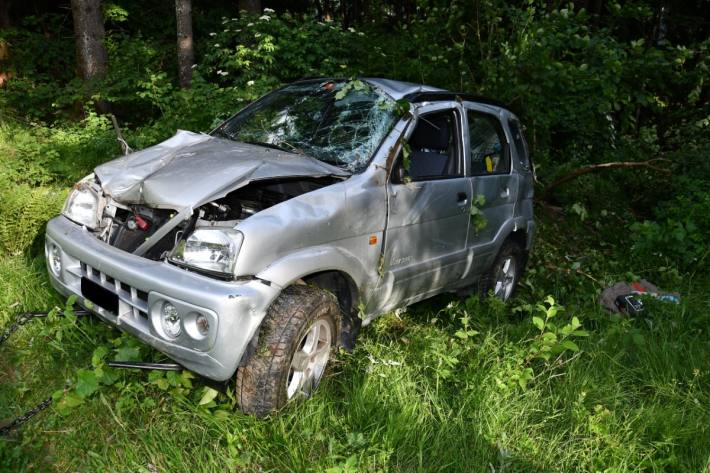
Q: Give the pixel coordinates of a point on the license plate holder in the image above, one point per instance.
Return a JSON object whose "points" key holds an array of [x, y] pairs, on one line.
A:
{"points": [[99, 295]]}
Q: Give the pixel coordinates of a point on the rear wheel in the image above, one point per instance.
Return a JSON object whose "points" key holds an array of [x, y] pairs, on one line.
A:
{"points": [[503, 276], [295, 343]]}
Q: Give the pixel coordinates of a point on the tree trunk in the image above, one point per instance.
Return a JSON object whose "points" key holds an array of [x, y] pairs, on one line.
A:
{"points": [[250, 6], [185, 50], [5, 13], [89, 32], [90, 51]]}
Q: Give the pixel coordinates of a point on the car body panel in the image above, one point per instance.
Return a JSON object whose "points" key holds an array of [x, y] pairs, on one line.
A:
{"points": [[190, 169]]}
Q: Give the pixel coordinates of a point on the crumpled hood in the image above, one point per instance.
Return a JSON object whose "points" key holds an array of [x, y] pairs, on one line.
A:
{"points": [[191, 169]]}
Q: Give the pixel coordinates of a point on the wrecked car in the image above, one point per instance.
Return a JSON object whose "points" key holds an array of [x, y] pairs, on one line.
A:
{"points": [[254, 250]]}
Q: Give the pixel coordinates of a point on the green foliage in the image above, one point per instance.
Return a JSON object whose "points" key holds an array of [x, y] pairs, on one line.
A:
{"points": [[478, 218], [679, 235], [264, 51]]}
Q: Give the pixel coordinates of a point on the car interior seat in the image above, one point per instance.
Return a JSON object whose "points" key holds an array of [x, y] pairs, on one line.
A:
{"points": [[433, 154]]}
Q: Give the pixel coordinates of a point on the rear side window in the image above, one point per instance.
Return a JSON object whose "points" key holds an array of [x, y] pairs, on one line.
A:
{"points": [[488, 146], [521, 146]]}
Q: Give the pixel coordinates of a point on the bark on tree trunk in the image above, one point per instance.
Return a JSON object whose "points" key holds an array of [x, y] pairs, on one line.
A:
{"points": [[185, 49], [5, 13], [250, 6], [89, 32], [90, 51]]}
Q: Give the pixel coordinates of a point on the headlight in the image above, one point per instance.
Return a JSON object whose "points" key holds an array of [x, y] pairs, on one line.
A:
{"points": [[211, 249], [170, 320], [82, 205]]}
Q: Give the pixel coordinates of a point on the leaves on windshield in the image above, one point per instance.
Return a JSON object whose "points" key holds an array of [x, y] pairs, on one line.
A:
{"points": [[350, 86]]}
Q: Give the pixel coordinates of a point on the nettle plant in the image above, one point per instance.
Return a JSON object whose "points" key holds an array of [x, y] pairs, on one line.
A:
{"points": [[543, 352]]}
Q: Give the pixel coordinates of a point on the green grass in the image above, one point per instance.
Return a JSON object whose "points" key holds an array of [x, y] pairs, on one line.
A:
{"points": [[412, 397]]}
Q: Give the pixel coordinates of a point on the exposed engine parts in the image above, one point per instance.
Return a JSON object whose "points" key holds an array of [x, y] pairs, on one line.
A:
{"points": [[127, 227]]}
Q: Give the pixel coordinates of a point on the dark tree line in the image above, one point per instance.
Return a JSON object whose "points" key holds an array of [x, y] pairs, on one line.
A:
{"points": [[674, 19]]}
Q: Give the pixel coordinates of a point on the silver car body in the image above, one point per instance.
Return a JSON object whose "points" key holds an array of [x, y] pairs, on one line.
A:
{"points": [[390, 244]]}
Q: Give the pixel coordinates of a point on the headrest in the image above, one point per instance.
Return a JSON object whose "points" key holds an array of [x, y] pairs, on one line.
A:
{"points": [[432, 132]]}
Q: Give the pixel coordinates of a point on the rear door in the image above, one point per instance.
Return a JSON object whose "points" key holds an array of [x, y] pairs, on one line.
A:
{"points": [[495, 187], [429, 210]]}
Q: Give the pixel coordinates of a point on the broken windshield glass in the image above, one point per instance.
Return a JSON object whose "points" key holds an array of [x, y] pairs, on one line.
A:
{"points": [[340, 123]]}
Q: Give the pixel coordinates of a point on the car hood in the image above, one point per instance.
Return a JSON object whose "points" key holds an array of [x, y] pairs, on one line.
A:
{"points": [[191, 169]]}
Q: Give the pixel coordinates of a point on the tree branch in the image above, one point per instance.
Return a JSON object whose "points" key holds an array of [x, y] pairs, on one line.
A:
{"points": [[650, 164]]}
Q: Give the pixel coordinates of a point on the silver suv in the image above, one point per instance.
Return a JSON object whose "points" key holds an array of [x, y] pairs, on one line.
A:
{"points": [[258, 248]]}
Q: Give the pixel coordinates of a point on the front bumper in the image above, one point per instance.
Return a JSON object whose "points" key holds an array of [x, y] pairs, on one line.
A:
{"points": [[235, 309]]}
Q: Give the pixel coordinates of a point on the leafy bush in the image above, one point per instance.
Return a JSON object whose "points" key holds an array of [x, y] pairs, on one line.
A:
{"points": [[265, 51], [679, 234]]}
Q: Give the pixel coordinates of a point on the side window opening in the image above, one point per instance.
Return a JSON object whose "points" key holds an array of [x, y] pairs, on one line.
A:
{"points": [[489, 152], [520, 143], [433, 149]]}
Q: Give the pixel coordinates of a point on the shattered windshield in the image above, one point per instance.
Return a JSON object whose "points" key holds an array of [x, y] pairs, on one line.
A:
{"points": [[340, 123]]}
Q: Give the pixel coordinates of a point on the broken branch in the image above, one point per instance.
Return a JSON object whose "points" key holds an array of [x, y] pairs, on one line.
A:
{"points": [[119, 136], [597, 167]]}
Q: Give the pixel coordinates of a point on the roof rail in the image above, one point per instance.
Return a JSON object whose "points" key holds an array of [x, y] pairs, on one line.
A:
{"points": [[445, 95]]}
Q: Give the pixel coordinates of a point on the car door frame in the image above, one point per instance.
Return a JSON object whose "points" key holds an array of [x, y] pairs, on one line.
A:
{"points": [[480, 254], [396, 270]]}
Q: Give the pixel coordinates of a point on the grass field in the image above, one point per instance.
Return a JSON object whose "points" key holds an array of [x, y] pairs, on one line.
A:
{"points": [[435, 388]]}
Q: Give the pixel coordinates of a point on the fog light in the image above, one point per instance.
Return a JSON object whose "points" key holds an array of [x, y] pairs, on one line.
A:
{"points": [[203, 324], [54, 257], [170, 320]]}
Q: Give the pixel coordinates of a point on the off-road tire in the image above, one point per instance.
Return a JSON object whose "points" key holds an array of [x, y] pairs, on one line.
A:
{"points": [[510, 249], [261, 383]]}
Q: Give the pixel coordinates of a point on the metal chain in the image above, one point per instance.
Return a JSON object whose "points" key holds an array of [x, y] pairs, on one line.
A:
{"points": [[21, 320], [18, 421]]}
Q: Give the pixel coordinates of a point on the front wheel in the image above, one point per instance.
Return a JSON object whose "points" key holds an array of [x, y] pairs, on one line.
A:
{"points": [[295, 343], [503, 276]]}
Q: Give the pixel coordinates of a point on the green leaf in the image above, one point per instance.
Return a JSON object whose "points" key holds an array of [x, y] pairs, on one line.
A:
{"points": [[162, 383], [402, 107], [127, 354], [539, 323], [208, 395], [68, 402], [86, 383], [99, 354], [570, 345]]}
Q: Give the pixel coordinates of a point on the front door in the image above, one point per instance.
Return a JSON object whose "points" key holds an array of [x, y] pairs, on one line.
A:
{"points": [[425, 244]]}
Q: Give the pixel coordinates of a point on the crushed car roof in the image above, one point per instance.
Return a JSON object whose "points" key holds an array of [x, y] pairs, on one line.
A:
{"points": [[413, 92]]}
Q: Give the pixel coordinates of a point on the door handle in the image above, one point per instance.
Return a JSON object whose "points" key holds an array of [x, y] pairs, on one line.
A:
{"points": [[462, 198], [505, 193]]}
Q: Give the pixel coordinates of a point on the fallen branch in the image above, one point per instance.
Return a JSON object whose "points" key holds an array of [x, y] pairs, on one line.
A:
{"points": [[119, 136], [597, 167]]}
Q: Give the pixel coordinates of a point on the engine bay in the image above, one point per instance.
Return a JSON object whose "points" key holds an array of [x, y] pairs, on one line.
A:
{"points": [[128, 227]]}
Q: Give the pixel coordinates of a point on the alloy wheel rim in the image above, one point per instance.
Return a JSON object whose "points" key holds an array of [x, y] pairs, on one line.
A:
{"points": [[505, 279], [309, 361]]}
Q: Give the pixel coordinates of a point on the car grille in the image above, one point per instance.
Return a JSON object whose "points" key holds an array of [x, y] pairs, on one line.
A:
{"points": [[130, 299]]}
